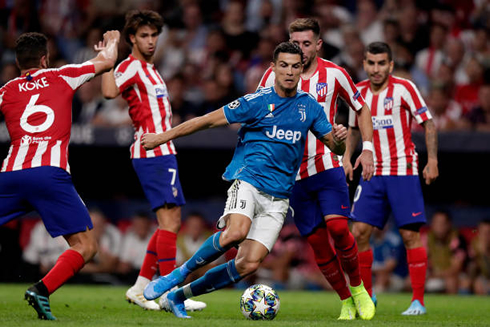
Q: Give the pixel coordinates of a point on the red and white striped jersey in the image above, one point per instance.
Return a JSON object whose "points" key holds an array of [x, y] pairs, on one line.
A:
{"points": [[37, 110], [327, 83], [393, 111], [149, 107]]}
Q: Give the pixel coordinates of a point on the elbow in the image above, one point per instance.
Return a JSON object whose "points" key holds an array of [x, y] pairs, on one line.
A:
{"points": [[109, 94]]}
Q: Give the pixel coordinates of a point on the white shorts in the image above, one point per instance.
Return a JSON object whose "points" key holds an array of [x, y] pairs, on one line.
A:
{"points": [[266, 212]]}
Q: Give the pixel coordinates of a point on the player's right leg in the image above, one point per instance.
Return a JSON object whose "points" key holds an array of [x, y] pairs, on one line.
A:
{"points": [[63, 213]]}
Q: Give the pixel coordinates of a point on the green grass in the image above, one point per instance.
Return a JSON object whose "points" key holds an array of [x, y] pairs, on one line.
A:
{"points": [[82, 305]]}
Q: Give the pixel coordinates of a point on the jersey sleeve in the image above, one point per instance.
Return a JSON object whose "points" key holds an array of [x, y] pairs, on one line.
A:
{"points": [[244, 109], [125, 74], [321, 126], [415, 102], [348, 90], [267, 79], [76, 75]]}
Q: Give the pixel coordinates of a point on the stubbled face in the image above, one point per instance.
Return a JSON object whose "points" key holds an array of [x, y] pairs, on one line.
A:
{"points": [[145, 41], [308, 43], [288, 69], [378, 68]]}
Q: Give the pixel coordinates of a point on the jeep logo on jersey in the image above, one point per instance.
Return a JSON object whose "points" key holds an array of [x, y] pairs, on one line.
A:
{"points": [[281, 134], [160, 91], [382, 122], [233, 105]]}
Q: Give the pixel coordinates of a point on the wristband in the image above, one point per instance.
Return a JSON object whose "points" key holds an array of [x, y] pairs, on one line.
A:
{"points": [[367, 145]]}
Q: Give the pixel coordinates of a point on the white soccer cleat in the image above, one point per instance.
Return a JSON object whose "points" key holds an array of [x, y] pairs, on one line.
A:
{"points": [[190, 305], [135, 296]]}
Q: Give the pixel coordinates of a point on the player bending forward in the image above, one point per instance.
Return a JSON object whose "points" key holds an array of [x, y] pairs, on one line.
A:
{"points": [[275, 121]]}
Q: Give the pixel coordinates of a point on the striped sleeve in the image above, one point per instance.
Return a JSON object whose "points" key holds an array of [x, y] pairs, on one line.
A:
{"points": [[415, 102], [267, 79], [125, 74], [349, 91], [76, 75]]}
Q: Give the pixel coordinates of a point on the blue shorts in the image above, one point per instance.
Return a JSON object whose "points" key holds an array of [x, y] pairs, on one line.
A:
{"points": [[159, 178], [376, 199], [49, 191], [315, 197]]}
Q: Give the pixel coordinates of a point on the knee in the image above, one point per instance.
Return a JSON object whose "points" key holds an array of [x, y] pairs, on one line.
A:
{"points": [[245, 267], [232, 236], [89, 249], [411, 239], [361, 234], [338, 228]]}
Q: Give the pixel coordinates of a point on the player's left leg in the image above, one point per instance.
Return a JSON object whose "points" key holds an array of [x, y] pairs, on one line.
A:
{"points": [[409, 213], [250, 255]]}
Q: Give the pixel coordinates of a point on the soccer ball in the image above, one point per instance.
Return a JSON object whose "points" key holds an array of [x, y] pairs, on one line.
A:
{"points": [[259, 302]]}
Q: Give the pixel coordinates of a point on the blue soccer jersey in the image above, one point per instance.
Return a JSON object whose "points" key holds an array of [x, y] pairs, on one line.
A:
{"points": [[272, 138]]}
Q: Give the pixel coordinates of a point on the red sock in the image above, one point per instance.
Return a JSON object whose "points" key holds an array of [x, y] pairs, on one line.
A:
{"points": [[68, 264], [150, 265], [166, 251], [417, 267], [366, 263], [328, 262], [346, 247]]}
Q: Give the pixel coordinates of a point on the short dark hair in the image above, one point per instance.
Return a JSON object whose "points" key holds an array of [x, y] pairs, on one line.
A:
{"points": [[30, 48], [377, 48], [305, 24], [137, 18], [287, 47]]}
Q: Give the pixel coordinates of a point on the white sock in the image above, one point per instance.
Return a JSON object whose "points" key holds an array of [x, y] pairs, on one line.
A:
{"points": [[141, 282]]}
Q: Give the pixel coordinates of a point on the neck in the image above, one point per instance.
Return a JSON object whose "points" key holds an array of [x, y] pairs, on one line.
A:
{"points": [[309, 70], [380, 87], [285, 93], [24, 71], [138, 55]]}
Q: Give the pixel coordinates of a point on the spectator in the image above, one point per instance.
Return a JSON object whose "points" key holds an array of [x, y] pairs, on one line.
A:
{"points": [[390, 269], [88, 102], [368, 24], [191, 236], [480, 259], [134, 244], [105, 262], [455, 55], [479, 117], [446, 113], [42, 250], [182, 109], [447, 254], [291, 264], [114, 113], [429, 59], [8, 72]]}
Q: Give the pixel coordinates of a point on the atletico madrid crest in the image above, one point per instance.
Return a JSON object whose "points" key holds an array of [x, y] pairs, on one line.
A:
{"points": [[321, 89], [388, 104]]}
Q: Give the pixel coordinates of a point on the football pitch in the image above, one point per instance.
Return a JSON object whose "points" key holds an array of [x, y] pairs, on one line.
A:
{"points": [[84, 305]]}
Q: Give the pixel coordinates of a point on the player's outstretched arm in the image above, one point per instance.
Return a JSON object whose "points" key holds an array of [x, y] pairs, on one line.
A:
{"points": [[213, 119], [335, 140], [353, 137], [431, 170], [107, 56]]}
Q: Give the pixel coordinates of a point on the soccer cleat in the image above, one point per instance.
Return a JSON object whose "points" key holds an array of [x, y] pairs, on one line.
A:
{"points": [[415, 309], [135, 296], [157, 287], [364, 305], [348, 311], [190, 305], [40, 304], [177, 307]]}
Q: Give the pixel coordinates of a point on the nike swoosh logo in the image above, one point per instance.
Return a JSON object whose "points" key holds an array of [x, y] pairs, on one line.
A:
{"points": [[344, 207], [415, 214]]}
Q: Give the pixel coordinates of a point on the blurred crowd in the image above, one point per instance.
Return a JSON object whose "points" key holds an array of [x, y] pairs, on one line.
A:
{"points": [[212, 51], [458, 258]]}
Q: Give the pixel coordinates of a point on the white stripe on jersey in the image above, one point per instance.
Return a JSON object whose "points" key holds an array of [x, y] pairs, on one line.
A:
{"points": [[21, 155], [6, 160], [56, 154], [75, 82], [130, 71], [41, 149]]}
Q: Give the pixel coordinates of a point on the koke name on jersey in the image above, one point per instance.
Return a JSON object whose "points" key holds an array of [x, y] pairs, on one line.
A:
{"points": [[281, 134], [33, 85]]}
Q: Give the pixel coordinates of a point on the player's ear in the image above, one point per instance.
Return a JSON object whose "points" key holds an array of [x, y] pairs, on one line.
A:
{"points": [[132, 38], [391, 66], [44, 61]]}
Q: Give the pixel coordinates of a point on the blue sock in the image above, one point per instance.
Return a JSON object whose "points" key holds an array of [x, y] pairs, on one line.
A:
{"points": [[214, 279], [209, 251]]}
